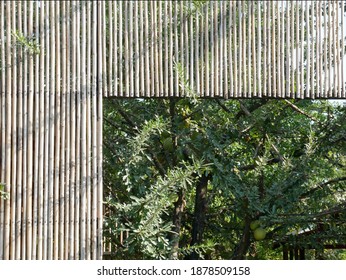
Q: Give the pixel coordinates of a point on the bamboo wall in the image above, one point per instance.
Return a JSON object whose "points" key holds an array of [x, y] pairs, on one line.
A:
{"points": [[58, 59], [51, 131], [227, 49]]}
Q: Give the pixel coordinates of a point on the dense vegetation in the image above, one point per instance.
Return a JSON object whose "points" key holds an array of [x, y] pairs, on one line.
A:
{"points": [[186, 178]]}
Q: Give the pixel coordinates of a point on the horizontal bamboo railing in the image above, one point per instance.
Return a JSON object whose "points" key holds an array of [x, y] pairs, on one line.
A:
{"points": [[58, 59]]}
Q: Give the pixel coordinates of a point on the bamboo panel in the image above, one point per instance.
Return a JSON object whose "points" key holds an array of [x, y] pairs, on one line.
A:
{"points": [[47, 122]]}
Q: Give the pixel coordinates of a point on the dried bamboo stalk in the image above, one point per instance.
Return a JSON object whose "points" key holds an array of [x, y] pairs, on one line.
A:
{"points": [[159, 38], [8, 124], [14, 141], [312, 78], [342, 50], [206, 53], [230, 36], [170, 54], [126, 49], [259, 51], [130, 49], [249, 39], [192, 50], [94, 128], [298, 51], [235, 50], [121, 38], [136, 92], [156, 27], [110, 49], [265, 40], [308, 73], [166, 69], [147, 51], [142, 49], [181, 46]]}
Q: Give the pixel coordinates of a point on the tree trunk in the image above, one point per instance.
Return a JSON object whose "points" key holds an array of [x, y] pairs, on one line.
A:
{"points": [[244, 244], [177, 217], [199, 220]]}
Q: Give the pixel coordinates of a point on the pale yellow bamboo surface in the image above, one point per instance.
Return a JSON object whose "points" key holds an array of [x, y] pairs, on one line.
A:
{"points": [[50, 110], [58, 59]]}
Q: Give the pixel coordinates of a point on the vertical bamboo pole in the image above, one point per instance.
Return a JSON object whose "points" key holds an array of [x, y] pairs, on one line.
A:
{"points": [[337, 48], [62, 163], [197, 55], [249, 39], [170, 50], [130, 48], [148, 51], [37, 139], [181, 46], [329, 31], [278, 50], [156, 39], [13, 193], [68, 132], [288, 48], [259, 50], [221, 51], [94, 128], [83, 138], [115, 44], [78, 130], [89, 122], [152, 50], [308, 73], [126, 49], [191, 49], [293, 43], [335, 63], [20, 143], [343, 95], [2, 126], [142, 49], [235, 49], [46, 135], [244, 37], [166, 51], [99, 144], [298, 51], [224, 57], [269, 65], [230, 93], [8, 124], [274, 59], [110, 50], [240, 48], [57, 102], [282, 53], [265, 67], [213, 44], [176, 50], [206, 53], [73, 135], [121, 41], [312, 78], [30, 143], [136, 53], [159, 39]]}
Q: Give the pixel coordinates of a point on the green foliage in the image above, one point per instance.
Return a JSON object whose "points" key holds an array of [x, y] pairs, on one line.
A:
{"points": [[3, 194], [28, 43]]}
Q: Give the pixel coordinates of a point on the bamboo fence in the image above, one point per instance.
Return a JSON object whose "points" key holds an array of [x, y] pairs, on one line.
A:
{"points": [[58, 59]]}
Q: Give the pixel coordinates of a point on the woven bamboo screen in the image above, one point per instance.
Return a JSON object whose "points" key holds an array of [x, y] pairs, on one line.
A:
{"points": [[59, 58], [228, 49]]}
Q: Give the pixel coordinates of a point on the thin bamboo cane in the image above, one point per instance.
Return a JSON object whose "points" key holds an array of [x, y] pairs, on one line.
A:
{"points": [[249, 39], [298, 51], [293, 43], [136, 92], [206, 53], [159, 38], [13, 100], [121, 38], [244, 49], [152, 51], [308, 73], [224, 56], [170, 54], [288, 48], [319, 50], [343, 94], [73, 135], [278, 50], [274, 59], [259, 51], [30, 142], [197, 55], [57, 102], [115, 44], [191, 51], [20, 143], [337, 50], [51, 136], [282, 53], [130, 49], [78, 130], [176, 50], [46, 135], [147, 44], [94, 128], [230, 46], [126, 50], [142, 50], [235, 56], [156, 50], [110, 49], [265, 50], [220, 42], [334, 50], [89, 123], [8, 109], [240, 48], [2, 126], [37, 98], [313, 42], [269, 65], [329, 49], [83, 137], [166, 61], [68, 133], [99, 144], [62, 198]]}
